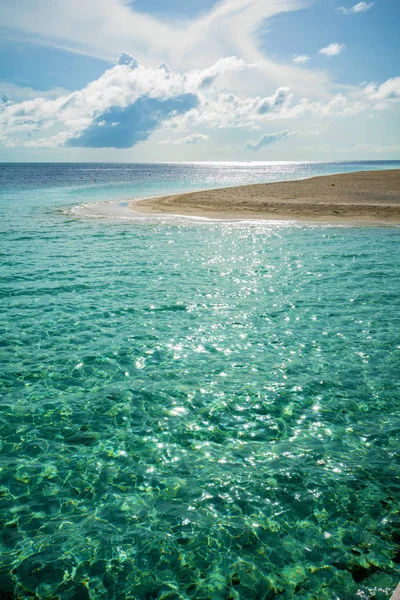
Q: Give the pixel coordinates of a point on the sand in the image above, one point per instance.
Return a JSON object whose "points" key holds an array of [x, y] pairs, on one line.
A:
{"points": [[363, 197]]}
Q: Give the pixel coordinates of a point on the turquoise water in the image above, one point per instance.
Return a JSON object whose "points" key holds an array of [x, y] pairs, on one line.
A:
{"points": [[194, 411]]}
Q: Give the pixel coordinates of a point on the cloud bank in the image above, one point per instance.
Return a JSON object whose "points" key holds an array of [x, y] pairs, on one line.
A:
{"points": [[130, 102], [120, 109]]}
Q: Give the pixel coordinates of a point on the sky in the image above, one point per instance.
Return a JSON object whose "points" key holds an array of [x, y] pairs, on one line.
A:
{"points": [[199, 80]]}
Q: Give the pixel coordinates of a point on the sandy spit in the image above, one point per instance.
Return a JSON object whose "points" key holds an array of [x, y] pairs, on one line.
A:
{"points": [[363, 197]]}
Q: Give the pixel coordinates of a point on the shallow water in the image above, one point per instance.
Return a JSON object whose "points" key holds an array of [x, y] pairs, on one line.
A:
{"points": [[195, 411]]}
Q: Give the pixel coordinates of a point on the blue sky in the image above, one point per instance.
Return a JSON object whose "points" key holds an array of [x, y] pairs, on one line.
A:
{"points": [[152, 80]]}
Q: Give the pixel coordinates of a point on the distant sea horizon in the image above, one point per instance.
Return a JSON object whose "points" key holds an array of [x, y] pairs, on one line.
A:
{"points": [[203, 162]]}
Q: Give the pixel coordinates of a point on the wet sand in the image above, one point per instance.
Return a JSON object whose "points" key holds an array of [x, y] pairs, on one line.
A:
{"points": [[363, 197]]}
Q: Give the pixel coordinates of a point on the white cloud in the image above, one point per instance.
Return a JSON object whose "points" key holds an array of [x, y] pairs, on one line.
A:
{"points": [[53, 141], [357, 8], [270, 138], [101, 29], [20, 93], [338, 106], [389, 90], [300, 59], [221, 110], [130, 101], [97, 28], [103, 101], [333, 49]]}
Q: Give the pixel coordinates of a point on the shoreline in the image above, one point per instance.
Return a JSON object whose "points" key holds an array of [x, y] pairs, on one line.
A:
{"points": [[362, 197]]}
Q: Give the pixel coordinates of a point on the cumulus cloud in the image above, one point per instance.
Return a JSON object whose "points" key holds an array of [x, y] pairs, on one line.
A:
{"points": [[126, 127], [229, 111], [204, 78], [130, 102], [300, 59], [389, 90], [270, 138], [121, 108], [338, 106], [229, 27], [357, 8], [221, 110], [333, 49]]}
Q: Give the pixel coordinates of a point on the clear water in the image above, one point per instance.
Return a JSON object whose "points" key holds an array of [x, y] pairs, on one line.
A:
{"points": [[194, 411]]}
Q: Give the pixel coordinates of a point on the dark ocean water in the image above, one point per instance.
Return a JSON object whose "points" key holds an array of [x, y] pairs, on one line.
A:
{"points": [[194, 411]]}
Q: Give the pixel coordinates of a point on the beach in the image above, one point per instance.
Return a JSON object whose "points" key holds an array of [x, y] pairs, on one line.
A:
{"points": [[362, 197]]}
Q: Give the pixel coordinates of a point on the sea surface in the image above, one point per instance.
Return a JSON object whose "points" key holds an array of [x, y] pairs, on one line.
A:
{"points": [[194, 410]]}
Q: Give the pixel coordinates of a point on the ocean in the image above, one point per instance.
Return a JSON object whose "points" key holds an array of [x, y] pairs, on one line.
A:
{"points": [[194, 410]]}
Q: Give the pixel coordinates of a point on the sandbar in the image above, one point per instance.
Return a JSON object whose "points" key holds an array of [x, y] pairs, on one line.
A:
{"points": [[363, 197]]}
